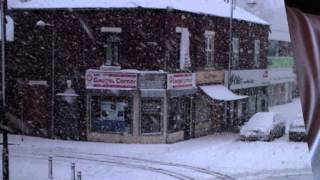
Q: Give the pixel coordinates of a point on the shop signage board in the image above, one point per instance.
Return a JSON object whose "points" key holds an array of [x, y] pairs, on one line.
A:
{"points": [[248, 78], [114, 80], [280, 62], [208, 77], [152, 80], [181, 81], [281, 75]]}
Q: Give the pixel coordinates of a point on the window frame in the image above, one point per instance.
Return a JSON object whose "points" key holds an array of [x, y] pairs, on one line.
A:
{"points": [[160, 114], [112, 41], [235, 52], [257, 52], [95, 101], [209, 48]]}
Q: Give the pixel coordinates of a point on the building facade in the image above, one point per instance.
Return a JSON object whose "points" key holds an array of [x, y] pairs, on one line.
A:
{"points": [[283, 83], [131, 75]]}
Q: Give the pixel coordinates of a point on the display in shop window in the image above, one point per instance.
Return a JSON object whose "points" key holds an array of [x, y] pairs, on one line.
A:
{"points": [[111, 115], [151, 112]]}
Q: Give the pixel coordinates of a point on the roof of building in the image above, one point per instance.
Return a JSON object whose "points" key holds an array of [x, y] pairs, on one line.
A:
{"points": [[274, 12], [211, 7]]}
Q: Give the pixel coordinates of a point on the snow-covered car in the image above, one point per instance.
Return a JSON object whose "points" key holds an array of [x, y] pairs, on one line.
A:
{"points": [[263, 126], [297, 131]]}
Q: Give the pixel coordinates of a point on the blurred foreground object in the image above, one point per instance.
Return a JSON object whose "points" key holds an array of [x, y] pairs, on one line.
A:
{"points": [[304, 26]]}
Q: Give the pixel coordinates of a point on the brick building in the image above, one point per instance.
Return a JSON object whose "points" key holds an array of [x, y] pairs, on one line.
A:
{"points": [[282, 78], [130, 72]]}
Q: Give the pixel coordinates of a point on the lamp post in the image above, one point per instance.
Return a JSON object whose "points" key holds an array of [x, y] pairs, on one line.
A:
{"points": [[5, 149], [44, 24], [232, 6]]}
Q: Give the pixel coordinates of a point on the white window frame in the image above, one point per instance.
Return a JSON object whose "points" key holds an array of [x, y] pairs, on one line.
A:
{"points": [[209, 47], [179, 30], [257, 47], [111, 31], [236, 51]]}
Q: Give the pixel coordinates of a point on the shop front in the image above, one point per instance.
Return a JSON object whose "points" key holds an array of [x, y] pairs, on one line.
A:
{"points": [[211, 101], [129, 106], [282, 86], [181, 91], [251, 83]]}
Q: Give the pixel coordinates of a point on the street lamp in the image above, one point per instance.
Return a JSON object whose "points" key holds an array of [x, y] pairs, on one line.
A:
{"points": [[41, 23], [5, 149], [232, 7]]}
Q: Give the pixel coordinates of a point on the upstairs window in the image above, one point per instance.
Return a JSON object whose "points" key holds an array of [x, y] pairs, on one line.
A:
{"points": [[111, 46], [273, 49], [184, 49], [209, 47], [235, 49], [257, 53]]}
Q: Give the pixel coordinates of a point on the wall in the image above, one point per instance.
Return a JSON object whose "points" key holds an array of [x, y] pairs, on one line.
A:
{"points": [[148, 42]]}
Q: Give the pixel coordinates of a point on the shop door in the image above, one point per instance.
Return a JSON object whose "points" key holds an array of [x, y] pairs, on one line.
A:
{"points": [[36, 109], [187, 118]]}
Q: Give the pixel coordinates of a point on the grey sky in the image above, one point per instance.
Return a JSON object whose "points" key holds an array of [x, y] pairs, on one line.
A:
{"points": [[272, 11]]}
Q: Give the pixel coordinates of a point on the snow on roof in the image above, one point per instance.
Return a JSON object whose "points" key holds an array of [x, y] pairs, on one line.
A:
{"points": [[220, 92], [211, 7]]}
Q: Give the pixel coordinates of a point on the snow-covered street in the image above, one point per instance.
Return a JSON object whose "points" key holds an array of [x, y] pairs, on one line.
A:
{"points": [[219, 156]]}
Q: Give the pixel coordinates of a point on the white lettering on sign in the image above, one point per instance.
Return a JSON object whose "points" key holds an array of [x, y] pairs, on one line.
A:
{"points": [[181, 81], [97, 79], [281, 75], [248, 78]]}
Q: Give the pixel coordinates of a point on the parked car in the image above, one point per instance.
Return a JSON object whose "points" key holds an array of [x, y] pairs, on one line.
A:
{"points": [[297, 131], [263, 126]]}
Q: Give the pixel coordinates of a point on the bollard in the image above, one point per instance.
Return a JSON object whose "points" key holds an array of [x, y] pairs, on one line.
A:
{"points": [[50, 176], [73, 171], [79, 175]]}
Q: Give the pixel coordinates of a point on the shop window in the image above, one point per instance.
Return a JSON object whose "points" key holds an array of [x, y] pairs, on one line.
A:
{"points": [[239, 111], [177, 114], [151, 116], [245, 109], [111, 115], [257, 53], [263, 105], [209, 47], [252, 104], [112, 44], [235, 49]]}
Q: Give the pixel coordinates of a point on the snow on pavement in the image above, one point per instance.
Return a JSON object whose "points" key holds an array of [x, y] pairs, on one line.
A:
{"points": [[218, 156]]}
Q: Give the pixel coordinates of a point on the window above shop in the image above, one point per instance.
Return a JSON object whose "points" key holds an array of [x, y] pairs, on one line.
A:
{"points": [[235, 49], [209, 47], [111, 45], [184, 48], [257, 53], [273, 49]]}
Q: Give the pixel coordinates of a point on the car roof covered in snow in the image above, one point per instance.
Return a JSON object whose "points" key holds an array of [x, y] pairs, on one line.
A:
{"points": [[263, 121], [210, 7]]}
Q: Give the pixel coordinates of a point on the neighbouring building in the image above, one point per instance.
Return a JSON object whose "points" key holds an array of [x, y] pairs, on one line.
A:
{"points": [[283, 84], [131, 71]]}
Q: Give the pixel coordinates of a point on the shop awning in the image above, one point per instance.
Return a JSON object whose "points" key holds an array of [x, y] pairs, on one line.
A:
{"points": [[220, 92]]}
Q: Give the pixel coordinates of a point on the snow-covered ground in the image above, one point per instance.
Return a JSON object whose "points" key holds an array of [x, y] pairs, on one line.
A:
{"points": [[219, 156]]}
